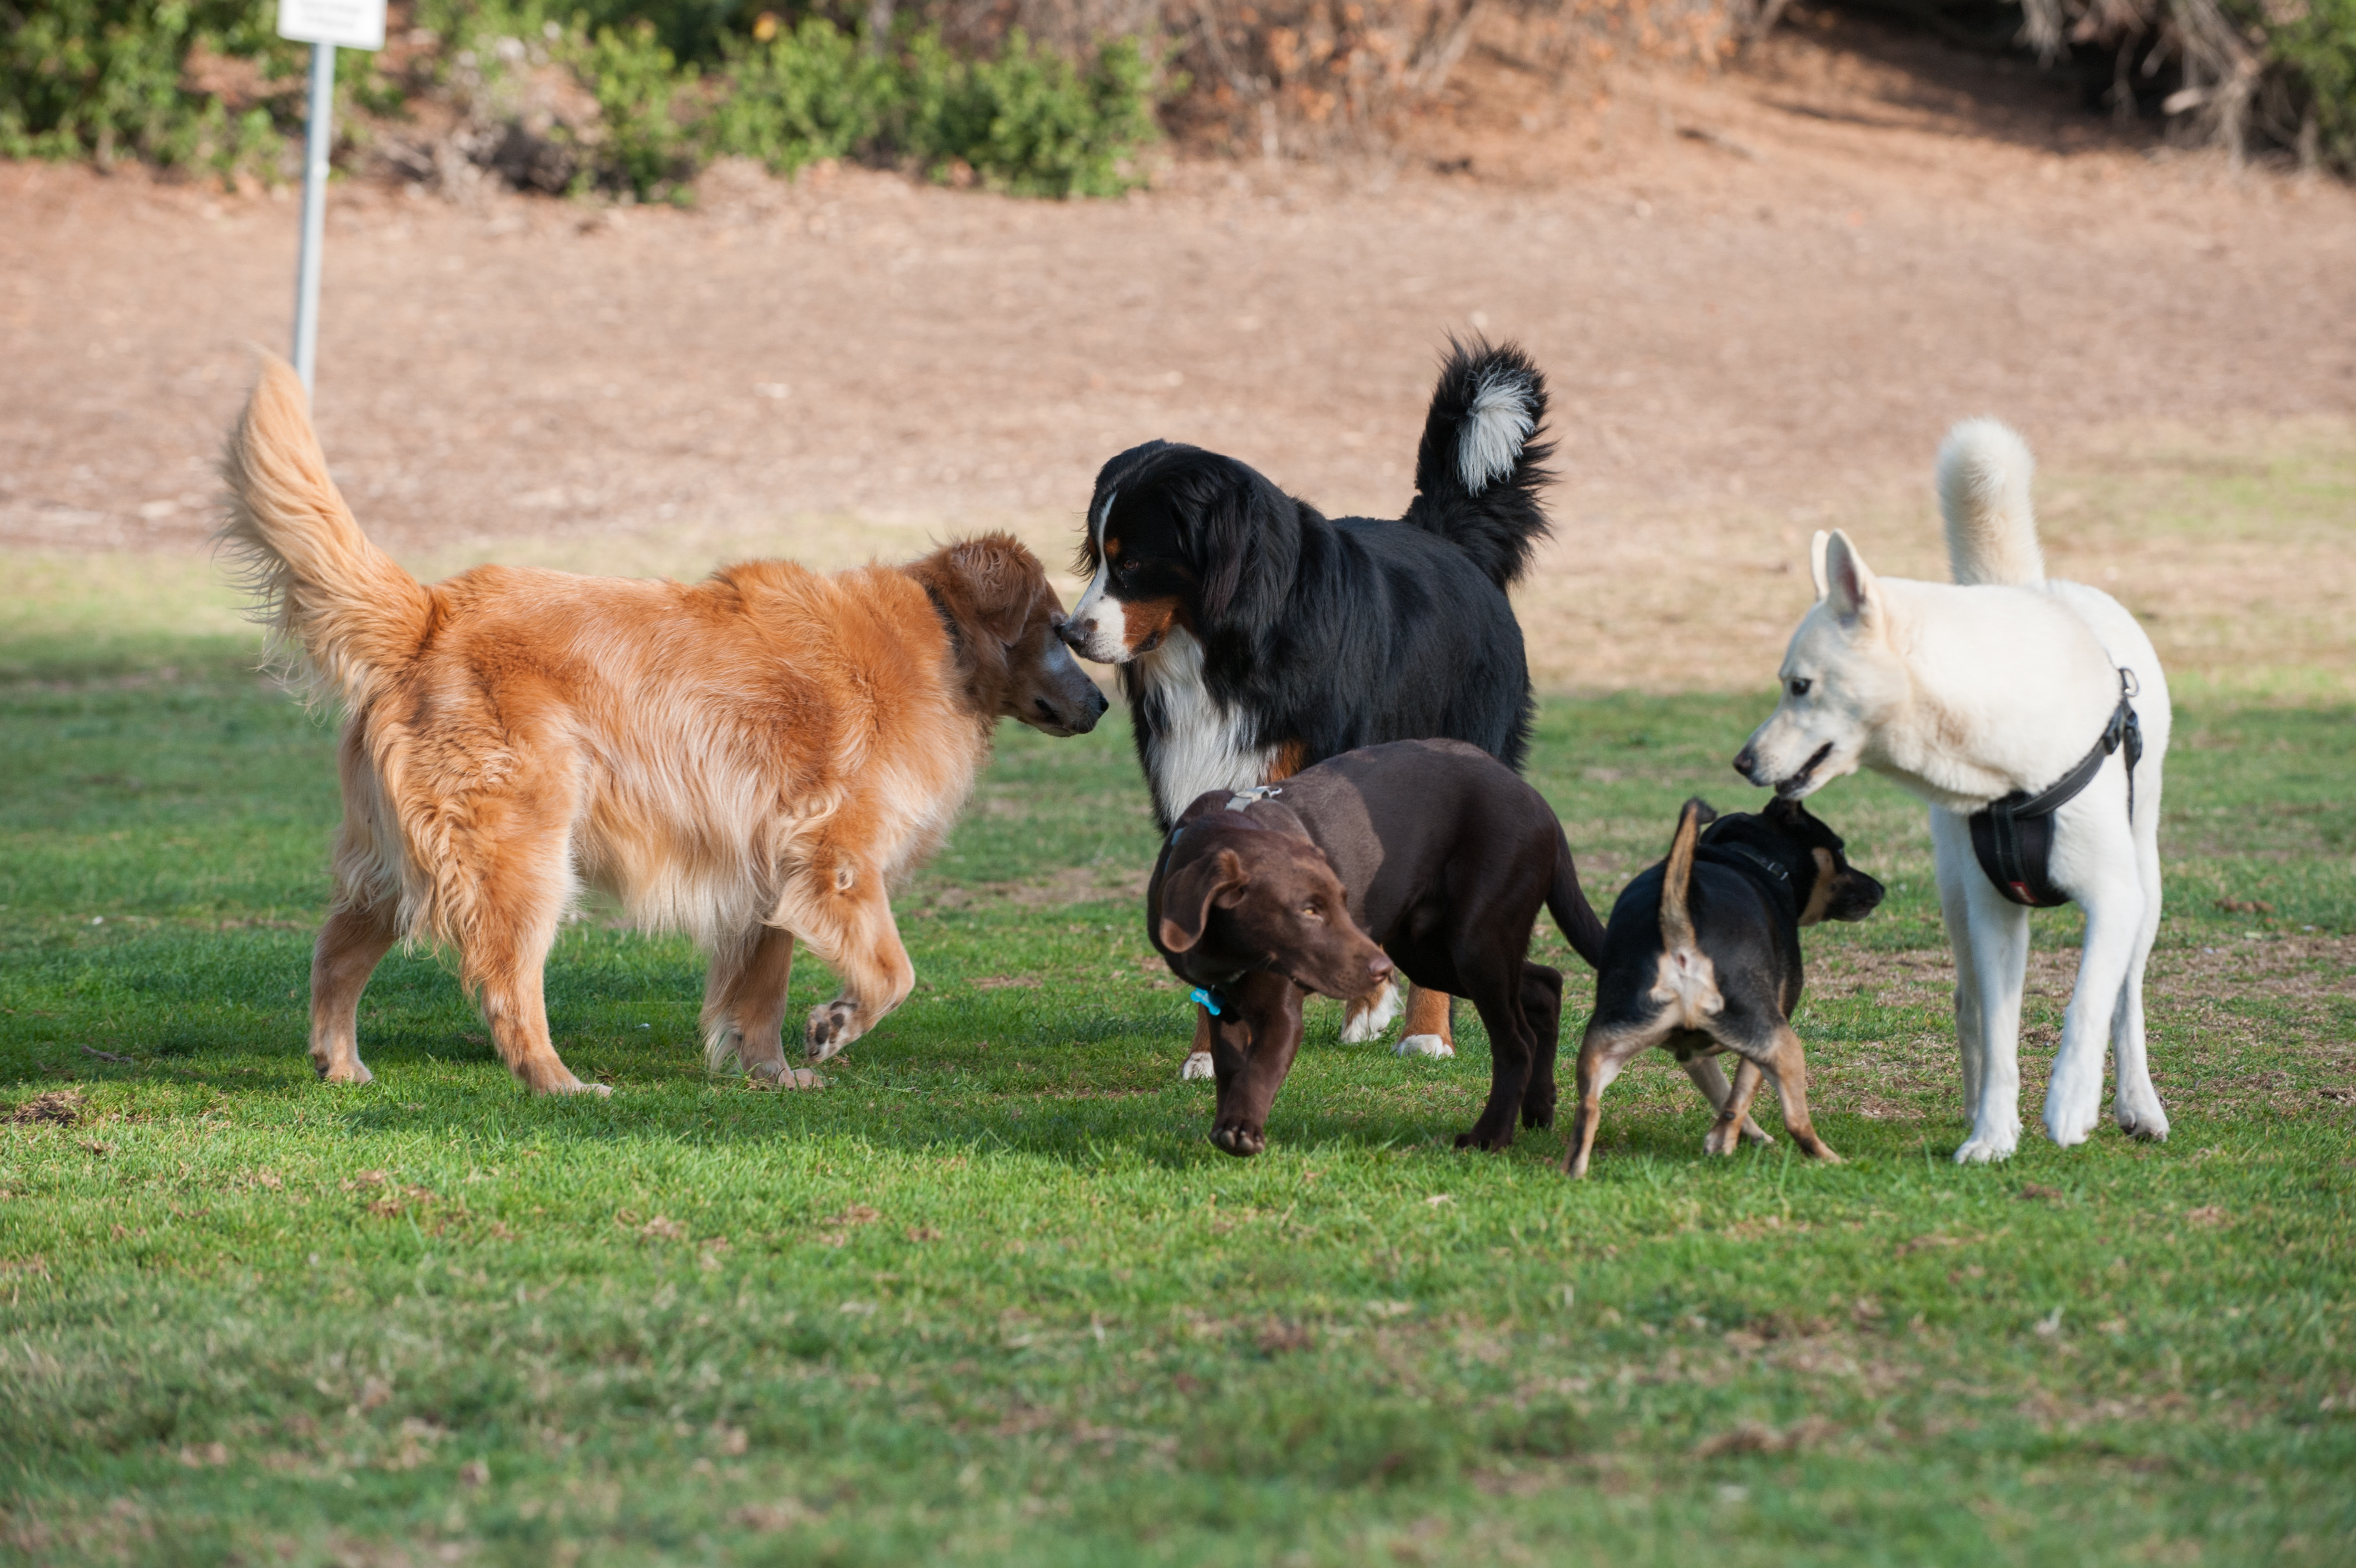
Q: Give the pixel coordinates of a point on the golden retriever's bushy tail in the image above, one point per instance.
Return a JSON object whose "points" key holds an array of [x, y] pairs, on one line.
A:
{"points": [[1984, 472], [317, 580]]}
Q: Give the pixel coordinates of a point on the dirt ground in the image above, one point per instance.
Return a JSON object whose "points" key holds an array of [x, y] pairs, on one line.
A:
{"points": [[1760, 298]]}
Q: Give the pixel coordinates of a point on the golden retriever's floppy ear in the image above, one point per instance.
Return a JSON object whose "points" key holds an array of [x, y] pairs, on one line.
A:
{"points": [[993, 582], [1188, 893]]}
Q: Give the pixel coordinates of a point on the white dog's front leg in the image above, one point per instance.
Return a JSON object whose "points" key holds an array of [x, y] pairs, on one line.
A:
{"points": [[1989, 936]]}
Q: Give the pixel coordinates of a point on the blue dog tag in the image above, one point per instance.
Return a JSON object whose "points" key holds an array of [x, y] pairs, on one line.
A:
{"points": [[1209, 999]]}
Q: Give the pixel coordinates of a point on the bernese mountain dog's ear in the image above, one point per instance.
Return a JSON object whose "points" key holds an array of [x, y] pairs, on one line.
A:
{"points": [[1236, 536], [998, 580], [1189, 892]]}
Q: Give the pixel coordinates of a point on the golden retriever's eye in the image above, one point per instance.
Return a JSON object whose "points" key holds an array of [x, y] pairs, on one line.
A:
{"points": [[1798, 685]]}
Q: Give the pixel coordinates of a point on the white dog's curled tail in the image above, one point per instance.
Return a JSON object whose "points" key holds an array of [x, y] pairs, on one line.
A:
{"points": [[1984, 470]]}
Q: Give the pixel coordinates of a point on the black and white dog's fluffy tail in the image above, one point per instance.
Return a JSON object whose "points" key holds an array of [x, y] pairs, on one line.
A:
{"points": [[1481, 466]]}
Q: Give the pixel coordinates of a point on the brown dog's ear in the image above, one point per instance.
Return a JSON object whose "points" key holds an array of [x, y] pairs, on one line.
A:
{"points": [[998, 580], [1188, 893]]}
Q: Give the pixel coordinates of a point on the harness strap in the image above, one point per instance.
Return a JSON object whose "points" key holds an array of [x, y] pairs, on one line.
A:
{"points": [[2012, 838]]}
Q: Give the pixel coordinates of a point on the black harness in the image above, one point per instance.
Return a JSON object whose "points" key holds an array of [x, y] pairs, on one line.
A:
{"points": [[2013, 838]]}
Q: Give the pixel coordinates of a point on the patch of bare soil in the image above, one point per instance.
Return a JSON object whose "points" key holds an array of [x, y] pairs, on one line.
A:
{"points": [[1759, 297]]}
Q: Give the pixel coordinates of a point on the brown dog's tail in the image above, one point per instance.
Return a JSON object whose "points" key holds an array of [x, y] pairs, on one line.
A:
{"points": [[1676, 878], [317, 580], [1567, 902]]}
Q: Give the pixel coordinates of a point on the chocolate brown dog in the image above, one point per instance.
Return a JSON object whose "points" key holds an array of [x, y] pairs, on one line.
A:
{"points": [[1429, 855], [1703, 956]]}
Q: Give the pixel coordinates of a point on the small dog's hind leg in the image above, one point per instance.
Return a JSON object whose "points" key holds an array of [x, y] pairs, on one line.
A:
{"points": [[1724, 1134], [1602, 1055], [1710, 1079], [1788, 1067], [352, 944], [1431, 1027], [1363, 1018]]}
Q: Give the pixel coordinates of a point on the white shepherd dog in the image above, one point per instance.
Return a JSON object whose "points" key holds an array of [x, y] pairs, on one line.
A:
{"points": [[1999, 685]]}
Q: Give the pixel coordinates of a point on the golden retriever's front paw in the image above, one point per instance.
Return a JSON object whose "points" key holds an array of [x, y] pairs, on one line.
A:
{"points": [[779, 1075], [831, 1027]]}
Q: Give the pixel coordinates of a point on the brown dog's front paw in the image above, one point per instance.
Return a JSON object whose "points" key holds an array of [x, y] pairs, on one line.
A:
{"points": [[831, 1027], [1241, 1141], [1488, 1142], [1537, 1110]]}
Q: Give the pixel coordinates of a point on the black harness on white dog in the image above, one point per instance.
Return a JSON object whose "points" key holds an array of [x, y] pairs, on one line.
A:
{"points": [[2013, 838]]}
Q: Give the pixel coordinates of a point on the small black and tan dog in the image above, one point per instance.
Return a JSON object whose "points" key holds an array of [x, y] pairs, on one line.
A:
{"points": [[1429, 856], [1702, 955]]}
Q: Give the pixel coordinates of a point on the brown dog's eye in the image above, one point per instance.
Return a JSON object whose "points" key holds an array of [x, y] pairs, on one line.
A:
{"points": [[1314, 912], [1798, 685]]}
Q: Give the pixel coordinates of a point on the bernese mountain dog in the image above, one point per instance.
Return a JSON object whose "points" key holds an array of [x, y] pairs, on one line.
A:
{"points": [[1255, 636]]}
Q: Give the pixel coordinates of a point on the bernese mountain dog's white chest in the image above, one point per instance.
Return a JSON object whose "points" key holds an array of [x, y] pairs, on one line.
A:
{"points": [[1199, 745]]}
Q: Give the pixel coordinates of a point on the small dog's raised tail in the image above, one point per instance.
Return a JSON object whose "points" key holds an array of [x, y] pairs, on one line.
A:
{"points": [[1481, 465], [1677, 877], [1984, 473], [1567, 902], [318, 582]]}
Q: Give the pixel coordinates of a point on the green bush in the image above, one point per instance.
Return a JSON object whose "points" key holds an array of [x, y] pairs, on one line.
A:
{"points": [[2320, 44], [635, 82], [814, 92], [111, 78], [105, 79], [1030, 121]]}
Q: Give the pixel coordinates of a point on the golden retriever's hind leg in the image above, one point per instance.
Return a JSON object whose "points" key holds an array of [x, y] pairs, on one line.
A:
{"points": [[352, 944], [503, 950], [744, 1010], [847, 921]]}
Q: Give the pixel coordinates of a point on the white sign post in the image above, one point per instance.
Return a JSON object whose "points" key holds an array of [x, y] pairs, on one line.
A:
{"points": [[322, 24]]}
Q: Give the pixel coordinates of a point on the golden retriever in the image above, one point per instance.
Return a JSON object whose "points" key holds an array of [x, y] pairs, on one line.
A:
{"points": [[753, 758]]}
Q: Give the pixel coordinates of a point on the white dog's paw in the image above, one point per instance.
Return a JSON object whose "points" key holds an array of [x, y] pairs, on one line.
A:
{"points": [[2149, 1122], [2069, 1126], [1988, 1148], [1196, 1066], [1424, 1046], [1368, 1023]]}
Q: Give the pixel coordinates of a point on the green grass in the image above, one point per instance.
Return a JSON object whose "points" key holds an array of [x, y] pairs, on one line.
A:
{"points": [[992, 1297]]}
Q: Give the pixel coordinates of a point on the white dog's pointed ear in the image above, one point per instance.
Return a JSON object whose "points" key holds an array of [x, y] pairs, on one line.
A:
{"points": [[1816, 560], [1844, 580]]}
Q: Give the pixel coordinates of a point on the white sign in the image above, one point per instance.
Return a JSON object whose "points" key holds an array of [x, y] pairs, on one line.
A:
{"points": [[347, 23]]}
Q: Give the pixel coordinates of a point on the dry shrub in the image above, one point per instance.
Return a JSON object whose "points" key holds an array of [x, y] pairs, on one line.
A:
{"points": [[1301, 76]]}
